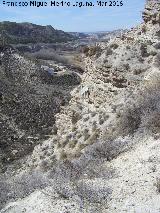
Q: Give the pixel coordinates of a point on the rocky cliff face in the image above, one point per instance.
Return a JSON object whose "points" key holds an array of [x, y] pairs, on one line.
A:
{"points": [[152, 12]]}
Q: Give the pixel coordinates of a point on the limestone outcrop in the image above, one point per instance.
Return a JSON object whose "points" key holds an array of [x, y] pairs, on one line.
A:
{"points": [[114, 72], [152, 12]]}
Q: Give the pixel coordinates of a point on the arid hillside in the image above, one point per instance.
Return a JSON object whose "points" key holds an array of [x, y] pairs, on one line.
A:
{"points": [[30, 97], [103, 129], [24, 33]]}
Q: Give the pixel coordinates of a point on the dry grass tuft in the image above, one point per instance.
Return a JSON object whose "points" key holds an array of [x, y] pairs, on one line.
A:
{"points": [[157, 184]]}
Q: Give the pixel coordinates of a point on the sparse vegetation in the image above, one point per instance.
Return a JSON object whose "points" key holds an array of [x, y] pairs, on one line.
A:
{"points": [[93, 50], [157, 60], [94, 136], [129, 121], [143, 49], [144, 29], [138, 71], [72, 143], [75, 117], [62, 155], [153, 53], [79, 135], [94, 126], [109, 51], [81, 146], [101, 121], [86, 119], [86, 134], [143, 111], [74, 128], [114, 46], [65, 142], [157, 185], [47, 54], [128, 47], [93, 114]]}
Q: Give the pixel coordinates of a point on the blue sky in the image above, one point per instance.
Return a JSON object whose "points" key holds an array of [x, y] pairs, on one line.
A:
{"points": [[73, 19]]}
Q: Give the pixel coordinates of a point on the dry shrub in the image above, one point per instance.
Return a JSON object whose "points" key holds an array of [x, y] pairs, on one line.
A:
{"points": [[157, 60], [79, 135], [157, 45], [114, 46], [93, 194], [86, 136], [93, 138], [48, 54], [93, 50], [143, 49], [75, 117], [144, 29], [74, 128], [73, 143], [153, 53], [143, 111], [101, 121], [93, 114], [128, 122], [150, 107], [108, 51], [157, 185], [86, 119], [81, 146], [62, 155], [106, 149], [138, 71], [128, 47], [85, 50]]}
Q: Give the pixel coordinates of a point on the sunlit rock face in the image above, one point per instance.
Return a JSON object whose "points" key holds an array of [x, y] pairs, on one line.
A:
{"points": [[152, 12]]}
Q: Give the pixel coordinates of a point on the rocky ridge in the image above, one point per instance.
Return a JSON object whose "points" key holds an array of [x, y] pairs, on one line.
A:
{"points": [[24, 33], [114, 73]]}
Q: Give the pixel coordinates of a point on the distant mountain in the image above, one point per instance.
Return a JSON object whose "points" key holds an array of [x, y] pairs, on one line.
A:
{"points": [[31, 33], [103, 35], [79, 35]]}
